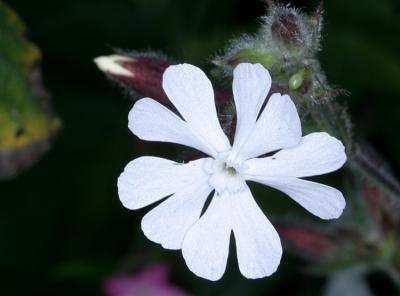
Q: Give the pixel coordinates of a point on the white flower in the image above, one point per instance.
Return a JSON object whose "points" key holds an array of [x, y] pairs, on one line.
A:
{"points": [[177, 222]]}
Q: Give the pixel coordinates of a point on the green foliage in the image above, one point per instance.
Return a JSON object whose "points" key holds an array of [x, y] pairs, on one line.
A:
{"points": [[23, 121], [9, 20]]}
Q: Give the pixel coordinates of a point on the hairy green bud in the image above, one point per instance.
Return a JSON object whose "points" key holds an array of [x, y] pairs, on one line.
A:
{"points": [[297, 79]]}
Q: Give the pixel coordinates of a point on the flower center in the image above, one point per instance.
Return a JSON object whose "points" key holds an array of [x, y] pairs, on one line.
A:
{"points": [[224, 175], [229, 170]]}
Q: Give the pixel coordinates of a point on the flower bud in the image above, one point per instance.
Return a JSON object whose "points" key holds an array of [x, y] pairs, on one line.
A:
{"points": [[382, 209], [309, 241], [286, 44], [285, 27], [141, 74], [295, 33], [296, 80]]}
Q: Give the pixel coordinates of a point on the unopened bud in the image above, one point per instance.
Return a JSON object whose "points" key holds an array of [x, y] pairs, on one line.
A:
{"points": [[141, 74], [382, 209], [285, 27], [293, 33], [296, 80], [307, 240]]}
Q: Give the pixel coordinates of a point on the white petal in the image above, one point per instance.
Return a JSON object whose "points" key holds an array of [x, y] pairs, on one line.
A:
{"points": [[317, 154], [148, 179], [168, 223], [323, 201], [206, 245], [112, 64], [251, 84], [278, 127], [189, 89], [151, 121], [258, 246]]}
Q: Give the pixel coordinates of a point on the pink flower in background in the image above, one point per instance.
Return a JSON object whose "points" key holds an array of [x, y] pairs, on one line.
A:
{"points": [[150, 281]]}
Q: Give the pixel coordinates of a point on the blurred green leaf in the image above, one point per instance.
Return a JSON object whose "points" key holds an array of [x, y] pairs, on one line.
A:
{"points": [[26, 119]]}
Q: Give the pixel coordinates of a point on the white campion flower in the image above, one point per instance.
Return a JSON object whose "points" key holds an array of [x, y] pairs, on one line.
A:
{"points": [[177, 222]]}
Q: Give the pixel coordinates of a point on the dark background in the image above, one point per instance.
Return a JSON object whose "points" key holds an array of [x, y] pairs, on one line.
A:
{"points": [[62, 227]]}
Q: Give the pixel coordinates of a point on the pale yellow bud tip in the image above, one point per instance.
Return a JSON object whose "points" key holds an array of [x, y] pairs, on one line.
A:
{"points": [[112, 64]]}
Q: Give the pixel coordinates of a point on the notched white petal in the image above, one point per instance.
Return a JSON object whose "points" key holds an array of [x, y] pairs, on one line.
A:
{"points": [[151, 121], [147, 179], [316, 154], [321, 200], [168, 223], [206, 245], [191, 92], [251, 84], [258, 245], [278, 127]]}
